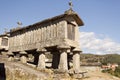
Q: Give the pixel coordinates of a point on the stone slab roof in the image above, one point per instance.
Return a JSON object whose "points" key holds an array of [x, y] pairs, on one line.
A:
{"points": [[66, 14], [2, 35]]}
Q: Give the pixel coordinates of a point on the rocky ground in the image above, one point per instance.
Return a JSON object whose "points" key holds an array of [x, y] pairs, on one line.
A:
{"points": [[18, 71]]}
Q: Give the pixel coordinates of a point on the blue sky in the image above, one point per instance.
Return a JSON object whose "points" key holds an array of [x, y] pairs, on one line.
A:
{"points": [[101, 17]]}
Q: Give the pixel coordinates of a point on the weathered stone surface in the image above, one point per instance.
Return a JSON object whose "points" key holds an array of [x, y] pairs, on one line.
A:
{"points": [[4, 42], [76, 60], [47, 34], [23, 56], [41, 61], [78, 76], [63, 64], [19, 73], [10, 58], [23, 59]]}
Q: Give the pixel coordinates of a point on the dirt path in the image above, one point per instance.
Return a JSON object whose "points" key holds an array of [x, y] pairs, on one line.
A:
{"points": [[97, 75]]}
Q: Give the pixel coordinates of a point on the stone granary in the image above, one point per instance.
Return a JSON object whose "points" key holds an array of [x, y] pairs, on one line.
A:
{"points": [[58, 35], [4, 43]]}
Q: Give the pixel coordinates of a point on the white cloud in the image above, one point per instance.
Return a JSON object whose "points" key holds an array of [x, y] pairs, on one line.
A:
{"points": [[92, 43]]}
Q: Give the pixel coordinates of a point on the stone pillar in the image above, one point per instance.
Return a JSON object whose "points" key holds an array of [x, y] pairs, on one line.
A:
{"points": [[76, 60], [10, 56], [63, 64], [23, 57], [41, 61]]}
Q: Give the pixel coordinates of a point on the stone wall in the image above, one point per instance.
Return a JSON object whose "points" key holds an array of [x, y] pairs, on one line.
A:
{"points": [[38, 36]]}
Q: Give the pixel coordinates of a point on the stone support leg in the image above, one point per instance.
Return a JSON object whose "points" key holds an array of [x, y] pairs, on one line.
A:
{"points": [[76, 61], [23, 57], [41, 61], [10, 56], [63, 64]]}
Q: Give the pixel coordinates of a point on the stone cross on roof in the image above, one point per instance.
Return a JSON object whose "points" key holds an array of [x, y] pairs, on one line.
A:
{"points": [[19, 23], [71, 4]]}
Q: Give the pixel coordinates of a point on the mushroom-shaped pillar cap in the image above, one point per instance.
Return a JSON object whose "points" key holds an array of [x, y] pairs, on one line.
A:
{"points": [[77, 50], [10, 53], [63, 46], [41, 50], [23, 52]]}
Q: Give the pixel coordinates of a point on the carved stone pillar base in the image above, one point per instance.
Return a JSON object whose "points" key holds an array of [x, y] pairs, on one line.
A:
{"points": [[41, 61], [76, 60], [23, 57], [10, 57], [63, 64]]}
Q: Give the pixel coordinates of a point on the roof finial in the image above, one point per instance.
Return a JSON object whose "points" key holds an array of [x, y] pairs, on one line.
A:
{"points": [[70, 11], [71, 4], [19, 24]]}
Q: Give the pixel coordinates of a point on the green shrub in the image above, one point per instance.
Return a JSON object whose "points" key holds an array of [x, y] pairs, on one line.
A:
{"points": [[115, 73]]}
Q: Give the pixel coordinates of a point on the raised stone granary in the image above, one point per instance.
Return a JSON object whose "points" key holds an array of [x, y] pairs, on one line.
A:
{"points": [[58, 35]]}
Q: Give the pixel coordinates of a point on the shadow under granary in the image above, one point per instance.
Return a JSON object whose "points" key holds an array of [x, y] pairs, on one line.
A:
{"points": [[2, 72]]}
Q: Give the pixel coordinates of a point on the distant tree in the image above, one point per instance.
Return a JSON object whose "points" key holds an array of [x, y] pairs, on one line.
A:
{"points": [[111, 58]]}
